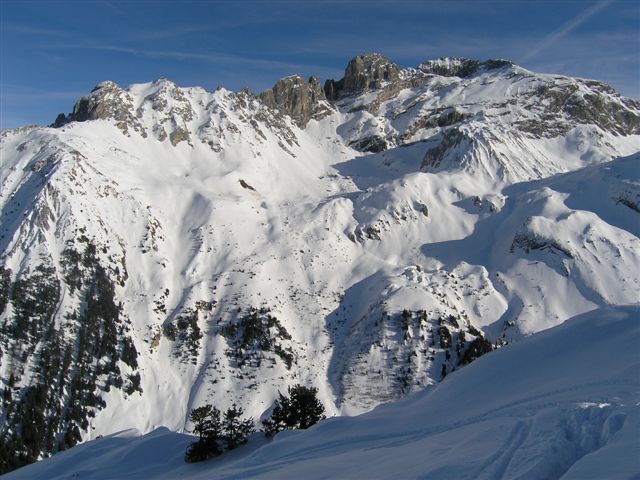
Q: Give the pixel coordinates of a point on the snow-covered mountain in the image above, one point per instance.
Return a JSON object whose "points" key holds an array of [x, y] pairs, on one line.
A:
{"points": [[164, 247]]}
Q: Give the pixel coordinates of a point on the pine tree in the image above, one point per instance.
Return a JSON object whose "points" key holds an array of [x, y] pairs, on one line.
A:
{"points": [[208, 426], [236, 428], [300, 410]]}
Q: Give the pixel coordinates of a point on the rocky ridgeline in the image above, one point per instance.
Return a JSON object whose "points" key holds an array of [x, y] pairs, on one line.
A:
{"points": [[167, 112], [538, 106], [303, 101], [460, 67]]}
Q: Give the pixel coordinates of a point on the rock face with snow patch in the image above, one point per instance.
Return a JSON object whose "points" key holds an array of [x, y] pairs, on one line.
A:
{"points": [[107, 101], [460, 67], [301, 100]]}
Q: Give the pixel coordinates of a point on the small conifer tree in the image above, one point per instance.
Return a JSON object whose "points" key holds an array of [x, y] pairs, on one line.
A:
{"points": [[208, 426], [236, 428]]}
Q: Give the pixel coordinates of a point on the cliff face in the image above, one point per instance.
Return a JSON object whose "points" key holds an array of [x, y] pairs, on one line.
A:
{"points": [[301, 100], [363, 73]]}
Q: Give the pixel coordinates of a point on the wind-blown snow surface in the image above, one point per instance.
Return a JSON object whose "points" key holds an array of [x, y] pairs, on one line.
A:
{"points": [[564, 403], [505, 202]]}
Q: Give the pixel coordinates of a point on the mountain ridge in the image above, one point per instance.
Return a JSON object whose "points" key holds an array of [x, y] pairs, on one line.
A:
{"points": [[202, 247]]}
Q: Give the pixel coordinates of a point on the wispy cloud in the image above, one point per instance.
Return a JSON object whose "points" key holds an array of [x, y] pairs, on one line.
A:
{"points": [[553, 38], [166, 33], [114, 8], [21, 105], [210, 57], [18, 93], [35, 31], [190, 30]]}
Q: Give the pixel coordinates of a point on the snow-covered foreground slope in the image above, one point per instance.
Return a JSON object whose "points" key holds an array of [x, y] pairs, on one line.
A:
{"points": [[165, 247], [561, 404]]}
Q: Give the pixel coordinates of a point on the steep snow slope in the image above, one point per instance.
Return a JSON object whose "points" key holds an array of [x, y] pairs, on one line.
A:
{"points": [[561, 404], [167, 247]]}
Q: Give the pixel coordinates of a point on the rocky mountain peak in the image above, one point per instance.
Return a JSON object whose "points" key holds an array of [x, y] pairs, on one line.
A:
{"points": [[106, 101], [106, 85], [301, 100], [363, 73], [460, 66]]}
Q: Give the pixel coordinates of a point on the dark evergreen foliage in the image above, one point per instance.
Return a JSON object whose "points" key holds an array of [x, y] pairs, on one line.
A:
{"points": [[185, 331], [217, 432], [208, 426], [237, 429], [255, 332], [133, 385], [300, 410], [5, 286], [201, 450], [476, 349], [34, 299], [445, 336], [129, 353], [50, 413], [406, 320]]}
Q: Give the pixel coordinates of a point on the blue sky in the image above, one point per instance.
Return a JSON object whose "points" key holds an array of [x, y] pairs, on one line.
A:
{"points": [[52, 52]]}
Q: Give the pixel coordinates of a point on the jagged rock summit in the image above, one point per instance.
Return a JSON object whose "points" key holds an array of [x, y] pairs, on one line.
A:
{"points": [[166, 247], [363, 73], [301, 100]]}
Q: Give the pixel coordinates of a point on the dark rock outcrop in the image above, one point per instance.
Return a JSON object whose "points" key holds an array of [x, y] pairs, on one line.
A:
{"points": [[60, 121], [452, 137], [440, 117], [460, 67], [363, 73], [301, 100], [373, 144], [564, 104], [107, 101]]}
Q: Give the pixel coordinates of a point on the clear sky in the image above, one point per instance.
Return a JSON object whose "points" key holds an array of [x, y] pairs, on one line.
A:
{"points": [[52, 52]]}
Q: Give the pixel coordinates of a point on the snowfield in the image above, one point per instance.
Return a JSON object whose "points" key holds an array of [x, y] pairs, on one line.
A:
{"points": [[563, 403]]}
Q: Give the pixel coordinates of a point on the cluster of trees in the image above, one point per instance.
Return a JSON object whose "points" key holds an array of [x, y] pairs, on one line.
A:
{"points": [[257, 332], [185, 331], [45, 409], [219, 432]]}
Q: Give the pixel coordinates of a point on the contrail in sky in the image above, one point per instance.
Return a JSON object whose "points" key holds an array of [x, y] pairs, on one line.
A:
{"points": [[568, 27]]}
